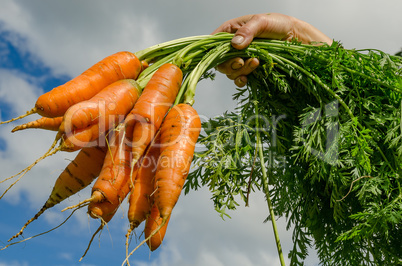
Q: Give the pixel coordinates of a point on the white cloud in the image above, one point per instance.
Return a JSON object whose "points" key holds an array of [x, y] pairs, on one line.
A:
{"points": [[357, 24], [71, 36], [23, 147], [197, 234], [17, 91]]}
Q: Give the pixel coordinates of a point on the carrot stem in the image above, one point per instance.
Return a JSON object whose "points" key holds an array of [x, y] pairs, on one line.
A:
{"points": [[209, 61], [168, 46], [147, 74], [265, 182]]}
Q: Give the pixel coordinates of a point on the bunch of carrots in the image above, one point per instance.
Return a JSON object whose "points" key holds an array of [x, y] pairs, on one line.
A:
{"points": [[131, 120], [133, 142]]}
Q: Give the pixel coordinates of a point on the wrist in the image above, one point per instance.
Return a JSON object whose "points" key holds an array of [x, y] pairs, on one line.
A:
{"points": [[306, 33]]}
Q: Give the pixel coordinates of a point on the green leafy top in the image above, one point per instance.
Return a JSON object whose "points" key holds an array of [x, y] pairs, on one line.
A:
{"points": [[327, 121]]}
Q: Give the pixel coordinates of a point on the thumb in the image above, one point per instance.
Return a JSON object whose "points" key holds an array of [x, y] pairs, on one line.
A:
{"points": [[246, 33]]}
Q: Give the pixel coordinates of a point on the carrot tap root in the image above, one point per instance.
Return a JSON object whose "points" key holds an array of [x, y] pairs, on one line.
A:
{"points": [[100, 228], [43, 233], [52, 150], [97, 196], [42, 210], [30, 112], [45, 123], [75, 177], [152, 234]]}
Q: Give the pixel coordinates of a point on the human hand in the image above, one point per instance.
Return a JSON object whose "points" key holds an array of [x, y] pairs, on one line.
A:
{"points": [[269, 26]]}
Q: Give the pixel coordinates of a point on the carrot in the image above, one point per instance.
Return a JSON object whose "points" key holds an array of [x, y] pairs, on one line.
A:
{"points": [[86, 123], [80, 138], [140, 198], [104, 210], [150, 109], [104, 206], [116, 99], [88, 120], [46, 123], [179, 134], [113, 183], [152, 223], [115, 173], [121, 65], [76, 176]]}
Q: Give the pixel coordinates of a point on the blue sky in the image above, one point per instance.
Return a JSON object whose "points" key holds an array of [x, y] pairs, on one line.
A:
{"points": [[45, 43]]}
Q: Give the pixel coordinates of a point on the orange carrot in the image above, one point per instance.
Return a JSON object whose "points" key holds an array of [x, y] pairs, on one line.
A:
{"points": [[150, 109], [104, 211], [115, 173], [152, 223], [116, 99], [140, 197], [179, 134], [46, 123], [76, 176], [91, 119], [86, 137], [113, 183], [100, 210], [121, 65]]}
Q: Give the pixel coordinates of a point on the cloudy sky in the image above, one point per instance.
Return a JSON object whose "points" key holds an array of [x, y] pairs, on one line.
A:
{"points": [[44, 43]]}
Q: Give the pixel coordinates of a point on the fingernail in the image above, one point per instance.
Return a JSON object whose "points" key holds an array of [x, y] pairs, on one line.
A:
{"points": [[255, 62], [238, 39], [236, 65], [241, 81]]}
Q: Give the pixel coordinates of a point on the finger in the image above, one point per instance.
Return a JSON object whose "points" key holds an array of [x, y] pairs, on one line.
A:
{"points": [[249, 66], [232, 25], [271, 26], [230, 65], [245, 34], [241, 81]]}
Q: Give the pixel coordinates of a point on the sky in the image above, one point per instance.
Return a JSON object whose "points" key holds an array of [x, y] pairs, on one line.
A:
{"points": [[45, 43]]}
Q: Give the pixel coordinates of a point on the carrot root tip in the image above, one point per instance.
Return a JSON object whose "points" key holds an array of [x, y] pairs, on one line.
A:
{"points": [[42, 210], [32, 111], [164, 220]]}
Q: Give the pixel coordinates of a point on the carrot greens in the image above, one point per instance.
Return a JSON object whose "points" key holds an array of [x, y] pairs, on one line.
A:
{"points": [[330, 123]]}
